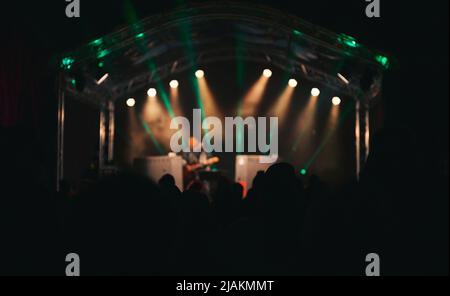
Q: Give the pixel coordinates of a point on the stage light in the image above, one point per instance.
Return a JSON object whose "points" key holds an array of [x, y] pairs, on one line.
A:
{"points": [[199, 73], [342, 77], [101, 80], [267, 73], [131, 102], [384, 61], [103, 53], [297, 32], [96, 42], [66, 63], [315, 92], [303, 172], [336, 101], [293, 83], [151, 92], [173, 84], [348, 41]]}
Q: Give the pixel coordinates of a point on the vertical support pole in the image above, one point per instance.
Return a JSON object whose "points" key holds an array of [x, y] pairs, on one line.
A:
{"points": [[358, 139], [102, 139], [60, 136], [111, 131], [367, 131]]}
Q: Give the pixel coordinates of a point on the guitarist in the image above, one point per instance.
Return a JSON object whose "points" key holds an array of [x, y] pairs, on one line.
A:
{"points": [[196, 161]]}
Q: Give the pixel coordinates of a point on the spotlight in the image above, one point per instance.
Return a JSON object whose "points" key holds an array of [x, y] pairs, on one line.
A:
{"points": [[336, 101], [131, 102], [315, 92], [102, 79], [174, 84], [293, 83], [267, 73], [199, 73], [303, 172], [151, 92], [342, 77]]}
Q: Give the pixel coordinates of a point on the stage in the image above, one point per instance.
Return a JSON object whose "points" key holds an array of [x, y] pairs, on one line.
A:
{"points": [[225, 61]]}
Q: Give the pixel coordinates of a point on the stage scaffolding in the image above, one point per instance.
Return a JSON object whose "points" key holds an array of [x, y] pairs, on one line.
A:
{"points": [[264, 35]]}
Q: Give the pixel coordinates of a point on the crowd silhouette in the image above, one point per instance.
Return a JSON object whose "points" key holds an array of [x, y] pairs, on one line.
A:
{"points": [[286, 224]]}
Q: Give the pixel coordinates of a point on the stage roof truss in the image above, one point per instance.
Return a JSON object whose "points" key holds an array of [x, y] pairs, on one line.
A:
{"points": [[139, 54]]}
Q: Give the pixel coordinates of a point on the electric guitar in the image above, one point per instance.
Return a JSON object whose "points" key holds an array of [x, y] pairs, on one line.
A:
{"points": [[196, 166]]}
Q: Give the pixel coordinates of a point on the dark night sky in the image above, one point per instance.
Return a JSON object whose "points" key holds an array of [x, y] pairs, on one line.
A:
{"points": [[416, 33], [405, 29]]}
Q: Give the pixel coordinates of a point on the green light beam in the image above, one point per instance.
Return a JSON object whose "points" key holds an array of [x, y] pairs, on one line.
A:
{"points": [[327, 138], [152, 136], [130, 14]]}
